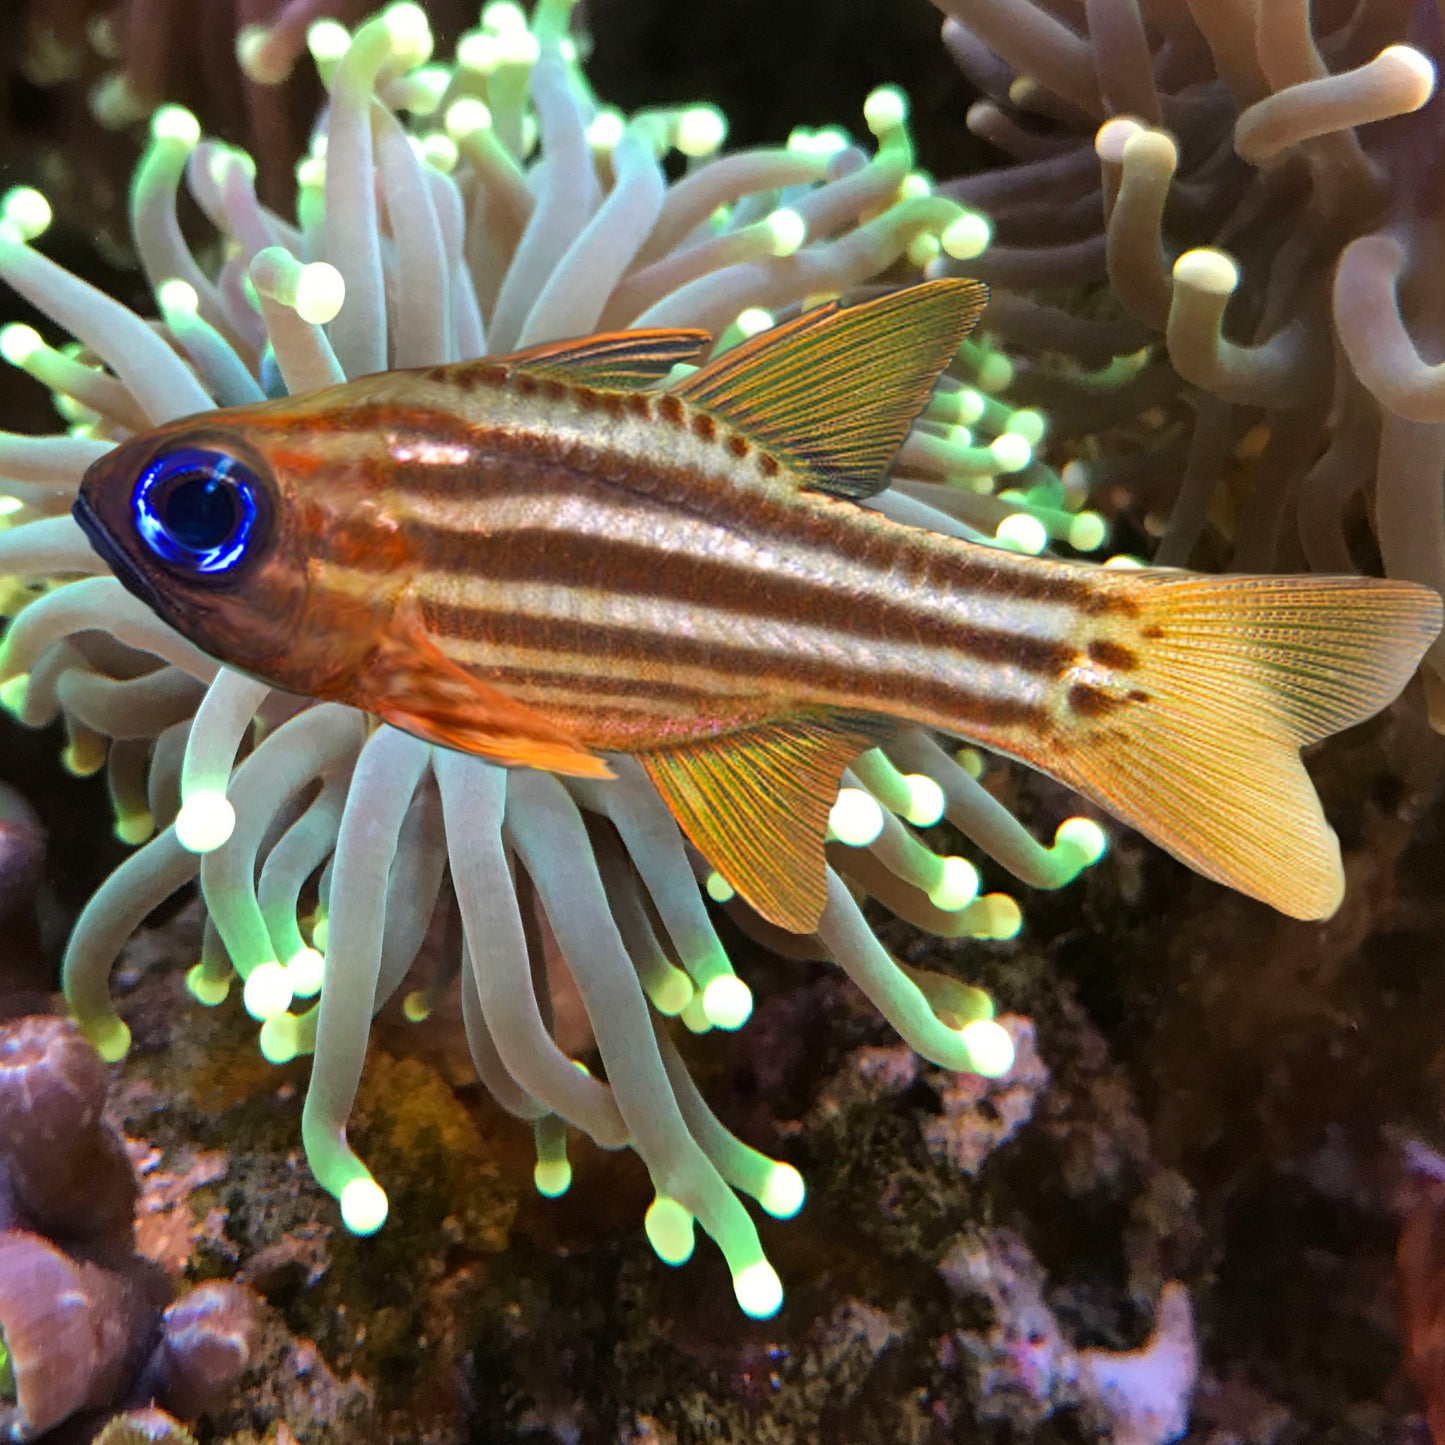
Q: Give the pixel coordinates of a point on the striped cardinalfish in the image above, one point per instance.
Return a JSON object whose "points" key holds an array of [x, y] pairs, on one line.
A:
{"points": [[543, 559]]}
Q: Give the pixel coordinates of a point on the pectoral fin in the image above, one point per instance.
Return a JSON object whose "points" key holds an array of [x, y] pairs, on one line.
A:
{"points": [[413, 685], [756, 805]]}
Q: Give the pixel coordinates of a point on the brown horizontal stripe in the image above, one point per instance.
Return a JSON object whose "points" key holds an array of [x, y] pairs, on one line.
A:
{"points": [[565, 560], [809, 679], [853, 531], [1113, 654], [530, 456]]}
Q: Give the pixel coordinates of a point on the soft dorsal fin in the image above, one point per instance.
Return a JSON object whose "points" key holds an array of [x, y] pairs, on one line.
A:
{"points": [[613, 360], [756, 805], [834, 392]]}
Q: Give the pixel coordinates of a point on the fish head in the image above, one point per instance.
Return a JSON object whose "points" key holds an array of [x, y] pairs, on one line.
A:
{"points": [[194, 519]]}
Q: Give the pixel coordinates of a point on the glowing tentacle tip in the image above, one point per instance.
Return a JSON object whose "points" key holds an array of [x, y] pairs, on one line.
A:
{"points": [[259, 60], [1029, 423], [363, 1206], [673, 992], [320, 291], [27, 211], [885, 110], [1413, 73], [1012, 451], [134, 828], [604, 130], [856, 818], [754, 319], [784, 1192], [409, 30], [967, 406], [467, 116], [990, 1049], [552, 1177], [306, 969], [759, 1290], [970, 760], [727, 1002], [716, 886], [109, 1037], [205, 821], [83, 758], [279, 1039], [786, 231], [957, 885], [268, 990], [19, 342], [701, 130], [995, 373], [1207, 270], [205, 988], [669, 1230], [177, 297], [967, 237], [176, 123], [328, 41], [1020, 532], [1001, 918], [1082, 839], [925, 800], [1088, 532], [13, 693]]}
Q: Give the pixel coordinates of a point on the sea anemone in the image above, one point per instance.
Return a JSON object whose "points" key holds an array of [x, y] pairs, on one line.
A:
{"points": [[99, 68], [1258, 185], [447, 212]]}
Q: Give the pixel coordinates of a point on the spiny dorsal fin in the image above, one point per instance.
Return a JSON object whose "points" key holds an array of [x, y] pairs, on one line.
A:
{"points": [[834, 392], [756, 805], [611, 361]]}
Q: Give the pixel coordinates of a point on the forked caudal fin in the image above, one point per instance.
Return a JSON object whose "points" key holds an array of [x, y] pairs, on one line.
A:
{"points": [[1186, 716]]}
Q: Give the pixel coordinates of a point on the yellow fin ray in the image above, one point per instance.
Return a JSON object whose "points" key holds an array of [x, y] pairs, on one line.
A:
{"points": [[756, 804], [1197, 744], [610, 361], [834, 392]]}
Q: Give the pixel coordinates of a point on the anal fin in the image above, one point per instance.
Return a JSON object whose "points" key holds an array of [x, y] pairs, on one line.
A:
{"points": [[756, 804]]}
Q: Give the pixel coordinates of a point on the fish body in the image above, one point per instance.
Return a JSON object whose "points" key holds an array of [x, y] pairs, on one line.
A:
{"points": [[539, 560]]}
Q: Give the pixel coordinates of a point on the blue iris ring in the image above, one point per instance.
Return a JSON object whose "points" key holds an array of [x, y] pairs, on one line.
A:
{"points": [[197, 510]]}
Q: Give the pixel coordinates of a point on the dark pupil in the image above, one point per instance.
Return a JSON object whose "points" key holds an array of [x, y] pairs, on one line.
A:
{"points": [[199, 512]]}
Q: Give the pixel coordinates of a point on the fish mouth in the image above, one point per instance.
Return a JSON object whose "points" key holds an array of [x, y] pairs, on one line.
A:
{"points": [[126, 572]]}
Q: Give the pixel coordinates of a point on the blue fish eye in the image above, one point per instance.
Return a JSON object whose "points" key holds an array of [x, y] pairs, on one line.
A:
{"points": [[197, 510]]}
